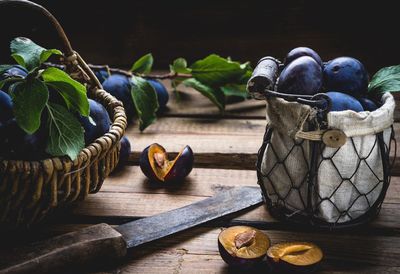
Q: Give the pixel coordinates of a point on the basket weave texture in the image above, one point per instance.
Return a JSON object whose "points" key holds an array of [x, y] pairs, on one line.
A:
{"points": [[29, 190]]}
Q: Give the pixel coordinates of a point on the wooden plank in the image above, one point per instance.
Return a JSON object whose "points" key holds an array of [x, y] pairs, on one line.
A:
{"points": [[197, 249], [130, 195], [183, 252], [226, 143]]}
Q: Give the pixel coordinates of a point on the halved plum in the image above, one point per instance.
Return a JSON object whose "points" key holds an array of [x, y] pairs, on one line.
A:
{"points": [[294, 257], [157, 167], [243, 246]]}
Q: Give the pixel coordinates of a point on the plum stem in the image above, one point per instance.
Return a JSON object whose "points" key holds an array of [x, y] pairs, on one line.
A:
{"points": [[170, 75]]}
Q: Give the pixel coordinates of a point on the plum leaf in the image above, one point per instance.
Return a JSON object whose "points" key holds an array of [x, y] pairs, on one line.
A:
{"points": [[28, 54], [386, 79], [214, 94], [45, 55], [217, 71], [29, 99], [66, 135], [235, 90], [179, 66], [73, 92], [145, 100], [144, 64]]}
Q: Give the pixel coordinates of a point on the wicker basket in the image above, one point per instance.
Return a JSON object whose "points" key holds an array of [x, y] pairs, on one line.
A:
{"points": [[29, 190]]}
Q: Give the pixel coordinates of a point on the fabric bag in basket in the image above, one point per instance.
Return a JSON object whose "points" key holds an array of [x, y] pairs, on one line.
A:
{"points": [[332, 176]]}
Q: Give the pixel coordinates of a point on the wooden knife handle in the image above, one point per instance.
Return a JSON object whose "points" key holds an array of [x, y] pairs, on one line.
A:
{"points": [[73, 251]]}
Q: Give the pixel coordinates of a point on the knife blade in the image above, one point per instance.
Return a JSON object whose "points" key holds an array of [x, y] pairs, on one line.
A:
{"points": [[101, 242]]}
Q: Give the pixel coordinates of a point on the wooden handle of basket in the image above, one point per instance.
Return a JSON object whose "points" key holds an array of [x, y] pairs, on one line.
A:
{"points": [[264, 77], [74, 251], [69, 53]]}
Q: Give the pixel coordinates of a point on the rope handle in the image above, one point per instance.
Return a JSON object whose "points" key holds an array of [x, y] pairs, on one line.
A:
{"points": [[71, 57]]}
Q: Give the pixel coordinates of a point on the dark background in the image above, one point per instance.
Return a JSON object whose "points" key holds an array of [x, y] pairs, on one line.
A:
{"points": [[117, 32]]}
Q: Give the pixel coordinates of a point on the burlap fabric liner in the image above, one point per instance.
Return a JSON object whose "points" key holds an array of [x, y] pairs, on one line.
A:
{"points": [[345, 185]]}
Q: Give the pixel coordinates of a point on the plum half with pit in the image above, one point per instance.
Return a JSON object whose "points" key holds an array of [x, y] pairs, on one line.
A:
{"points": [[294, 257], [346, 74], [242, 246], [301, 76], [302, 51], [157, 167], [119, 86]]}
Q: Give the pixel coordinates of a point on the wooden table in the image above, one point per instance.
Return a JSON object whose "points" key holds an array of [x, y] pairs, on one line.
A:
{"points": [[225, 153]]}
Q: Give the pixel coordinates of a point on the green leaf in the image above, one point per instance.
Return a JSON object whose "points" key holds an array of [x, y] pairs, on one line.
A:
{"points": [[66, 135], [10, 81], [28, 54], [216, 71], [179, 66], [235, 90], [73, 92], [29, 100], [47, 53], [144, 64], [385, 80], [145, 100], [214, 94]]}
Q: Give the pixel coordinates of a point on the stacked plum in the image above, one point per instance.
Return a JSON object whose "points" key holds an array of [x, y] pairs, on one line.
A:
{"points": [[119, 86], [344, 79]]}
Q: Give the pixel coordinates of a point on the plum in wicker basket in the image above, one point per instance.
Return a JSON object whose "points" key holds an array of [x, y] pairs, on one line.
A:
{"points": [[29, 190]]}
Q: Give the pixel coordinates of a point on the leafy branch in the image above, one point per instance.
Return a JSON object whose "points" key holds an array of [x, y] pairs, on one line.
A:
{"points": [[35, 97], [214, 77]]}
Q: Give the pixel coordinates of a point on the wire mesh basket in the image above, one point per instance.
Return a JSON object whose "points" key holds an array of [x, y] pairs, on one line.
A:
{"points": [[324, 169], [29, 190]]}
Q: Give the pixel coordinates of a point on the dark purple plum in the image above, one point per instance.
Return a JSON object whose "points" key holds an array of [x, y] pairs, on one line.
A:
{"points": [[101, 74], [101, 118], [119, 86], [6, 107], [302, 51], [301, 76], [346, 74], [15, 71], [368, 104], [124, 152], [162, 93], [157, 167], [16, 144], [342, 101]]}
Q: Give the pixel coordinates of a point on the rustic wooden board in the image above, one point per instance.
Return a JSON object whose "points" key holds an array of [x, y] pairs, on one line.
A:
{"points": [[182, 253], [225, 143], [130, 195]]}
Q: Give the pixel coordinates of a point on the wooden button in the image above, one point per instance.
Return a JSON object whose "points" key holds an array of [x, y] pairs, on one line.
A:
{"points": [[334, 138]]}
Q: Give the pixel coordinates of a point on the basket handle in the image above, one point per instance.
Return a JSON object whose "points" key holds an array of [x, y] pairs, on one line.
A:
{"points": [[67, 49], [70, 55]]}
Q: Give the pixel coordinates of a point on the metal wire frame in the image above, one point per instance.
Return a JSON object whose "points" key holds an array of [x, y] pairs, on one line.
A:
{"points": [[309, 215]]}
